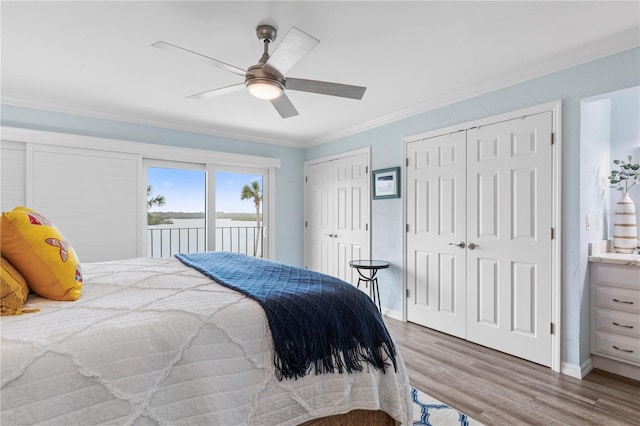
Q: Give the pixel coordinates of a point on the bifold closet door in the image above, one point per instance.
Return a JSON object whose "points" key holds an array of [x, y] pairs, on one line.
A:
{"points": [[337, 215], [351, 207], [319, 217], [478, 214], [436, 234], [509, 194]]}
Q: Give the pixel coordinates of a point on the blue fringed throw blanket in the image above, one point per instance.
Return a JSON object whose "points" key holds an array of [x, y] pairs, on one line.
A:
{"points": [[316, 320]]}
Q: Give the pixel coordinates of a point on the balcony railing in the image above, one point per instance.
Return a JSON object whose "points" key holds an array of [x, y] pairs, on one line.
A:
{"points": [[165, 242]]}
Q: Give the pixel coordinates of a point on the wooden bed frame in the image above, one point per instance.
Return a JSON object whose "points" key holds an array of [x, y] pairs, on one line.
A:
{"points": [[355, 418]]}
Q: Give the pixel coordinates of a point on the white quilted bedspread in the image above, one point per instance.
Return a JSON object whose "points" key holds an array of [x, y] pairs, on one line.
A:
{"points": [[152, 341]]}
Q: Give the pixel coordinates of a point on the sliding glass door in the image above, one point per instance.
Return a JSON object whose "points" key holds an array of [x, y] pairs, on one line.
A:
{"points": [[176, 208], [240, 212], [196, 207]]}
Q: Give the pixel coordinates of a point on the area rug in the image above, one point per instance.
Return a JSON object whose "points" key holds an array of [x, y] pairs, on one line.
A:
{"points": [[431, 412]]}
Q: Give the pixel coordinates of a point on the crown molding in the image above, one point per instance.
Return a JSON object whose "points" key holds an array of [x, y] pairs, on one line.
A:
{"points": [[33, 104], [586, 53], [121, 146]]}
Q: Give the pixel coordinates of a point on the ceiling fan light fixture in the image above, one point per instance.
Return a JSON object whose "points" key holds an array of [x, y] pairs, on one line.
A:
{"points": [[265, 89]]}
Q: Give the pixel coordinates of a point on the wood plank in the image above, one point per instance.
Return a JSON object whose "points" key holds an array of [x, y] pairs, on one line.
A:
{"points": [[497, 389]]}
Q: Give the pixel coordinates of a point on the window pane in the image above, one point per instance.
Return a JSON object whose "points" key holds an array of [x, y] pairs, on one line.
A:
{"points": [[176, 201], [239, 213]]}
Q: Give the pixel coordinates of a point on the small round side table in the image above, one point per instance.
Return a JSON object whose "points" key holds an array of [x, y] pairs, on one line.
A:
{"points": [[367, 269]]}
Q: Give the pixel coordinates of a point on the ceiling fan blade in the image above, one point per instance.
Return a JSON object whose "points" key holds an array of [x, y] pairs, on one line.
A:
{"points": [[293, 47], [186, 52], [325, 88], [284, 106], [217, 92]]}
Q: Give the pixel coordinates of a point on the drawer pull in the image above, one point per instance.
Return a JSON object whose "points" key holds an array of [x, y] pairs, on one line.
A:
{"points": [[620, 325], [622, 350], [626, 302]]}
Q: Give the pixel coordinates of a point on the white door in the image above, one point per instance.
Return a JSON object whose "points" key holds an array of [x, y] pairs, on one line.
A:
{"points": [[490, 189], [319, 215], [509, 190], [351, 220], [337, 215], [436, 221]]}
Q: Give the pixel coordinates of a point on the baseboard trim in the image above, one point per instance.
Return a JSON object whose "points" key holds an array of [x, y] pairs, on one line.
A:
{"points": [[577, 371], [392, 314], [571, 370], [586, 367]]}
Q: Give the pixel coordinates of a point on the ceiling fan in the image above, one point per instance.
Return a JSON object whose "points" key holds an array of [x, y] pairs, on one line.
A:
{"points": [[266, 80]]}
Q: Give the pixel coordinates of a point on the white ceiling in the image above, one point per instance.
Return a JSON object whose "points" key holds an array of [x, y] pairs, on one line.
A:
{"points": [[94, 58]]}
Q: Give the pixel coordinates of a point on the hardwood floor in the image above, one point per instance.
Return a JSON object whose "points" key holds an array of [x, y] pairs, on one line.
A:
{"points": [[498, 389]]}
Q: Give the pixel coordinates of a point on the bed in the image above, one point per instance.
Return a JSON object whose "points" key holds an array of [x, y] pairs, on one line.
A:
{"points": [[154, 341]]}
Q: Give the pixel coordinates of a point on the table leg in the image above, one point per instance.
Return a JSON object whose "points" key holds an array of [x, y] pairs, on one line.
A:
{"points": [[374, 283]]}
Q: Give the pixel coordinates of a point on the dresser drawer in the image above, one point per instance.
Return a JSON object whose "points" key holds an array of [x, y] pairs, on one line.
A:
{"points": [[615, 276], [618, 299], [617, 346], [617, 322]]}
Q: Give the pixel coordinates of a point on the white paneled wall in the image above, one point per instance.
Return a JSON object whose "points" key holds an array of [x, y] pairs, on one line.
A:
{"points": [[12, 175], [92, 197]]}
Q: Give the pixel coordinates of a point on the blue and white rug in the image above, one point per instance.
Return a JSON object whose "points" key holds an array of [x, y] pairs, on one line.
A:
{"points": [[431, 412]]}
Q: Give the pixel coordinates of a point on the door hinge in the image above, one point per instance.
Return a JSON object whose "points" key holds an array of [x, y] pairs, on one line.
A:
{"points": [[306, 178], [407, 162], [407, 228], [408, 293], [553, 233], [366, 169], [553, 138], [366, 226], [305, 223], [551, 330]]}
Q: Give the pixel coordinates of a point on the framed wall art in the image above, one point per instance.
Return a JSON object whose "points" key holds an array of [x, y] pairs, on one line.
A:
{"points": [[386, 183]]}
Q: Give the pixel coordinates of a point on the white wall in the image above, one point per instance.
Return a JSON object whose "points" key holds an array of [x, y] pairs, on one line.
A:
{"points": [[595, 139]]}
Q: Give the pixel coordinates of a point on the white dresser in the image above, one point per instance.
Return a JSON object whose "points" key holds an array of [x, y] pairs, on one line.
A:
{"points": [[615, 313]]}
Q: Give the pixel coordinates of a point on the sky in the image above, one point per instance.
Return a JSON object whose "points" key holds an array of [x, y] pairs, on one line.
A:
{"points": [[184, 190]]}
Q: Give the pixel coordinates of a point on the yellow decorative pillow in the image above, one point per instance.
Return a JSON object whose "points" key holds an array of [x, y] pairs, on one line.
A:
{"points": [[35, 247], [14, 289]]}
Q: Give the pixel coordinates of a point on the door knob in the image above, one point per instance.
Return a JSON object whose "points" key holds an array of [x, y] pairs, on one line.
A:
{"points": [[461, 244], [472, 246]]}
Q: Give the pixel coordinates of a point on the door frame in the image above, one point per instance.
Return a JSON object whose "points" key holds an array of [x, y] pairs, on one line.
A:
{"points": [[555, 107]]}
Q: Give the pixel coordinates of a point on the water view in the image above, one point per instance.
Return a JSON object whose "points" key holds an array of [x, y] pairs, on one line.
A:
{"points": [[176, 199]]}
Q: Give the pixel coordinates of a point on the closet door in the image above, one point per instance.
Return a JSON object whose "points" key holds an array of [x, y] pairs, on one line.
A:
{"points": [[509, 187], [337, 215], [436, 235], [351, 208], [319, 217], [489, 190]]}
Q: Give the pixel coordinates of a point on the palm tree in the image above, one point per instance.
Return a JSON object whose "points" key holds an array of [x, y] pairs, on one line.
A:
{"points": [[254, 192], [158, 200]]}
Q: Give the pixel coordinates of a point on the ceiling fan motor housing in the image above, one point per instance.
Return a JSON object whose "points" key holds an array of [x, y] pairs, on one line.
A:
{"points": [[256, 74]]}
